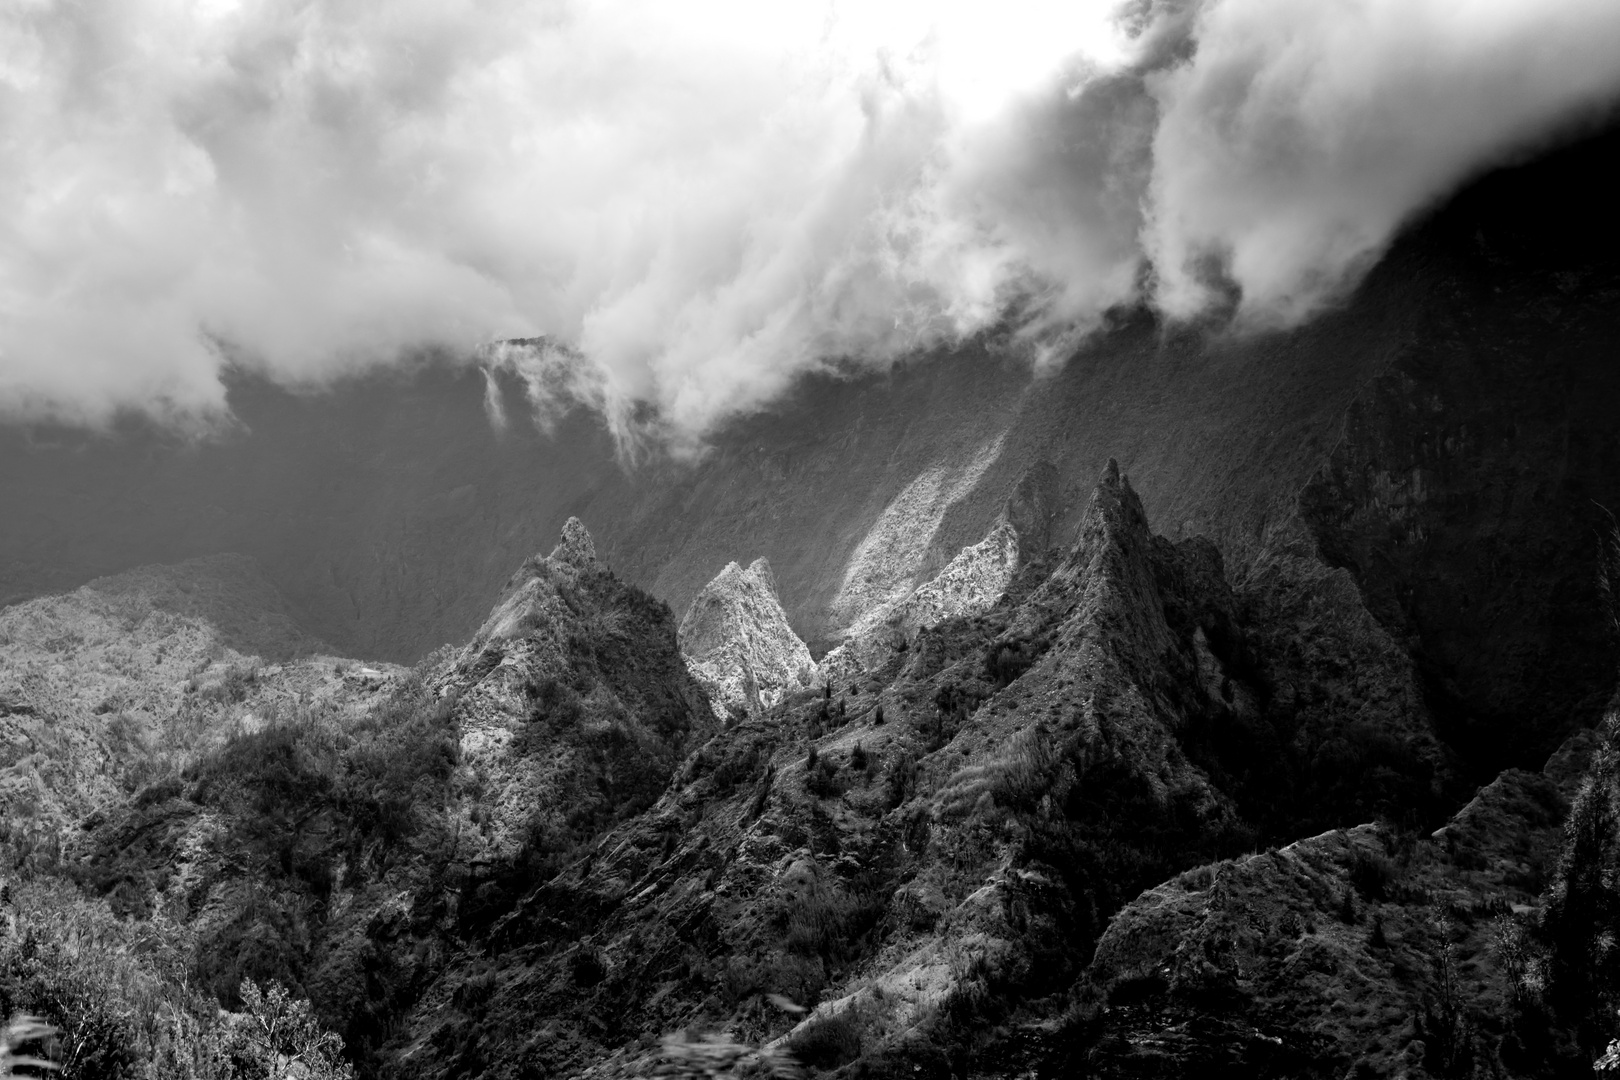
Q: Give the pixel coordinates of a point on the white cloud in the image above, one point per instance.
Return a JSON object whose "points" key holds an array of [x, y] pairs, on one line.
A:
{"points": [[1302, 135], [706, 200]]}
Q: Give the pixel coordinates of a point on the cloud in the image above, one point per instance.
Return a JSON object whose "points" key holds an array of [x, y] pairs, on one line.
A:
{"points": [[696, 204], [1301, 136]]}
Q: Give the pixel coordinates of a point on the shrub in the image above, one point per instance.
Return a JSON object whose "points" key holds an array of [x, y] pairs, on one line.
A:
{"points": [[234, 685], [92, 1037], [1005, 661], [113, 993], [827, 1042], [901, 779], [830, 922], [587, 967], [1372, 875], [821, 780], [552, 701], [1015, 782], [277, 1035]]}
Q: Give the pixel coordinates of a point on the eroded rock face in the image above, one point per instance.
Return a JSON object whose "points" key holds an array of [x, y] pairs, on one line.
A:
{"points": [[971, 583], [576, 546], [738, 644]]}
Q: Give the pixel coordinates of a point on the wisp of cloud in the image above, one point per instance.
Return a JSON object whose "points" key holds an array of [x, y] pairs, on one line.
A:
{"points": [[695, 204]]}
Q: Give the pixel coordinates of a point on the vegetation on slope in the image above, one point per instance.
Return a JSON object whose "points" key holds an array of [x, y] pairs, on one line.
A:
{"points": [[925, 872], [334, 833]]}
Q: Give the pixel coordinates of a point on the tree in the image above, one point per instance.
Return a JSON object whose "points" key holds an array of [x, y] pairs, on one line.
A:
{"points": [[1581, 923], [277, 1037]]}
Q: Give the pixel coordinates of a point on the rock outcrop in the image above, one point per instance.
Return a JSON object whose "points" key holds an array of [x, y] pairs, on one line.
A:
{"points": [[738, 644], [971, 583], [571, 702]]}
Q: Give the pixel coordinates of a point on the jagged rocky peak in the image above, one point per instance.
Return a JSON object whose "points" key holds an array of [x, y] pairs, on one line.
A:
{"points": [[576, 546], [1113, 543], [530, 601], [573, 701], [739, 645]]}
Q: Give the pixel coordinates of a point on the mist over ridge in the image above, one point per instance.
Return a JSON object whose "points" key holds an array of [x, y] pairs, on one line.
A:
{"points": [[703, 205]]}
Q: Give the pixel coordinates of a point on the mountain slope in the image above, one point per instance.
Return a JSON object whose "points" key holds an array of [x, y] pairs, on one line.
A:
{"points": [[927, 854], [1363, 948], [973, 858], [339, 829]]}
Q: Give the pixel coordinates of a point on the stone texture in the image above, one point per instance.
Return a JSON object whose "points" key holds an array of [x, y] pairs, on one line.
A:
{"points": [[738, 644], [1269, 965]]}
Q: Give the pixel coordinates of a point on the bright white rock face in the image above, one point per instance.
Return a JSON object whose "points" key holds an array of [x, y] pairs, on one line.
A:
{"points": [[970, 583], [738, 644]]}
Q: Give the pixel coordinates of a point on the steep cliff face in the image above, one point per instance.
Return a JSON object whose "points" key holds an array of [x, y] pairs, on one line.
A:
{"points": [[571, 707], [1470, 488], [969, 584], [737, 641]]}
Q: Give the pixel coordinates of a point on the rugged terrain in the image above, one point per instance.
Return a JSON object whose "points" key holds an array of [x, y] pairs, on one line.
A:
{"points": [[1265, 750], [933, 851], [996, 849]]}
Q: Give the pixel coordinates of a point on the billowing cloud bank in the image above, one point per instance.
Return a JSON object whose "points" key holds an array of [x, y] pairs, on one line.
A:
{"points": [[704, 200]]}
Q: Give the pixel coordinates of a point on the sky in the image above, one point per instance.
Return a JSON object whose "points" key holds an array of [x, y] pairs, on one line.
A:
{"points": [[697, 203]]}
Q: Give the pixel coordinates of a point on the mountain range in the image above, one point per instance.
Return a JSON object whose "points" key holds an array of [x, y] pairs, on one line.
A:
{"points": [[1210, 704]]}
